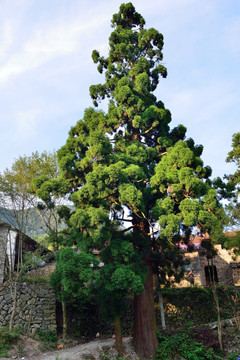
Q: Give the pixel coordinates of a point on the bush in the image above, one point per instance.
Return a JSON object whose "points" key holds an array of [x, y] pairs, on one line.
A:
{"points": [[48, 337], [233, 356], [182, 345]]}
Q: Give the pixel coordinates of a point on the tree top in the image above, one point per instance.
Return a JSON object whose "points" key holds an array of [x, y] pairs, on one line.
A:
{"points": [[127, 17]]}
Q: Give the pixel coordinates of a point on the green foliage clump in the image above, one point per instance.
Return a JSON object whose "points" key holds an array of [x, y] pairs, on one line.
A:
{"points": [[73, 274], [232, 242], [233, 356], [229, 188], [6, 340], [182, 345], [120, 277], [48, 337]]}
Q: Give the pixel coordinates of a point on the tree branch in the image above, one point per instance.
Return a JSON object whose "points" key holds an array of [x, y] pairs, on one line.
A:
{"points": [[131, 227]]}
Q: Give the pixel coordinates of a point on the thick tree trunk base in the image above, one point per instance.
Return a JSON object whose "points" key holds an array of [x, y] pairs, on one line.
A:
{"points": [[118, 334], [145, 334]]}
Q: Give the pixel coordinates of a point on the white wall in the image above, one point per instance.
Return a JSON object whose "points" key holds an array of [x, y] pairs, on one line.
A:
{"points": [[7, 248]]}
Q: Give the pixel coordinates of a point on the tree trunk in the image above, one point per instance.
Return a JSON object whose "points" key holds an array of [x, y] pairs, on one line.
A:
{"points": [[14, 306], [160, 299], [145, 334], [118, 334], [64, 312], [13, 286], [215, 296]]}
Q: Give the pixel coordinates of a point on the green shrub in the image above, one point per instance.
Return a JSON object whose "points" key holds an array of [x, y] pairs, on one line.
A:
{"points": [[182, 345], [6, 340], [48, 337], [233, 356]]}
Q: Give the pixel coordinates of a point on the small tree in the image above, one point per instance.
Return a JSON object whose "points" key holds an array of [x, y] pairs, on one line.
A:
{"points": [[17, 201], [18, 195], [120, 277], [15, 211], [71, 279], [234, 157]]}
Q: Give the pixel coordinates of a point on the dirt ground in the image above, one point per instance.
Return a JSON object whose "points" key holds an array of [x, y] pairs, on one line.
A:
{"points": [[29, 349]]}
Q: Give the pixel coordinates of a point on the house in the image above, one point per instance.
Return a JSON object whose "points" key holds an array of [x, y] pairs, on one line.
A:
{"points": [[9, 248], [224, 266]]}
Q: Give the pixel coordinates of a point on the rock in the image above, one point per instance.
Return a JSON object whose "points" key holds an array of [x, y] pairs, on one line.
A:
{"points": [[230, 330]]}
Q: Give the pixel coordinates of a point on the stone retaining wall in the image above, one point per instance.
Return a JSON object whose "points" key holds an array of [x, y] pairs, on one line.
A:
{"points": [[35, 306]]}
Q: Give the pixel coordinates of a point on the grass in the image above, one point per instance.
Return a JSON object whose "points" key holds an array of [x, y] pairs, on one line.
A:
{"points": [[7, 338], [48, 337]]}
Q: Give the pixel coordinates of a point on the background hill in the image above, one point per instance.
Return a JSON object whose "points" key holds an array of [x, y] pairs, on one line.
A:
{"points": [[34, 226]]}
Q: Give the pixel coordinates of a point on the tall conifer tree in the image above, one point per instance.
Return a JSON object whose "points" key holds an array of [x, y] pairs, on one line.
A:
{"points": [[234, 180], [127, 166]]}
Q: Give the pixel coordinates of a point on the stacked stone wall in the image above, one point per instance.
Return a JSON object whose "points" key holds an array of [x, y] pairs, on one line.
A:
{"points": [[236, 276], [35, 306]]}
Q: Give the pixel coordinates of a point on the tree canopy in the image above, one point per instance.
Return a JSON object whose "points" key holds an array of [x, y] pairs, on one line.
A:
{"points": [[233, 206], [16, 190]]}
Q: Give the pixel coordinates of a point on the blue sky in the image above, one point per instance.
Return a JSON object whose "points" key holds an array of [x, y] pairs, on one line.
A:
{"points": [[46, 69]]}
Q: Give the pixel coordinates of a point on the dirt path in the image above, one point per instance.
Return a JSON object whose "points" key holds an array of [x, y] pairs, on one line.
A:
{"points": [[77, 352], [93, 350]]}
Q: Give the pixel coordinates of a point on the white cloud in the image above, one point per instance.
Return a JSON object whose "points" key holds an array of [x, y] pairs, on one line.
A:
{"points": [[54, 40], [48, 44]]}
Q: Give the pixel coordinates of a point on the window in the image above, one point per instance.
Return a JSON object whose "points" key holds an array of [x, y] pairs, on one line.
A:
{"points": [[210, 274]]}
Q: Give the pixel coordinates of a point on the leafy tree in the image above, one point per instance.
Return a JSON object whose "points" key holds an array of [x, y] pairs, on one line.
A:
{"points": [[17, 199], [234, 156], [234, 179], [19, 195], [71, 278], [128, 167], [229, 189], [120, 277]]}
